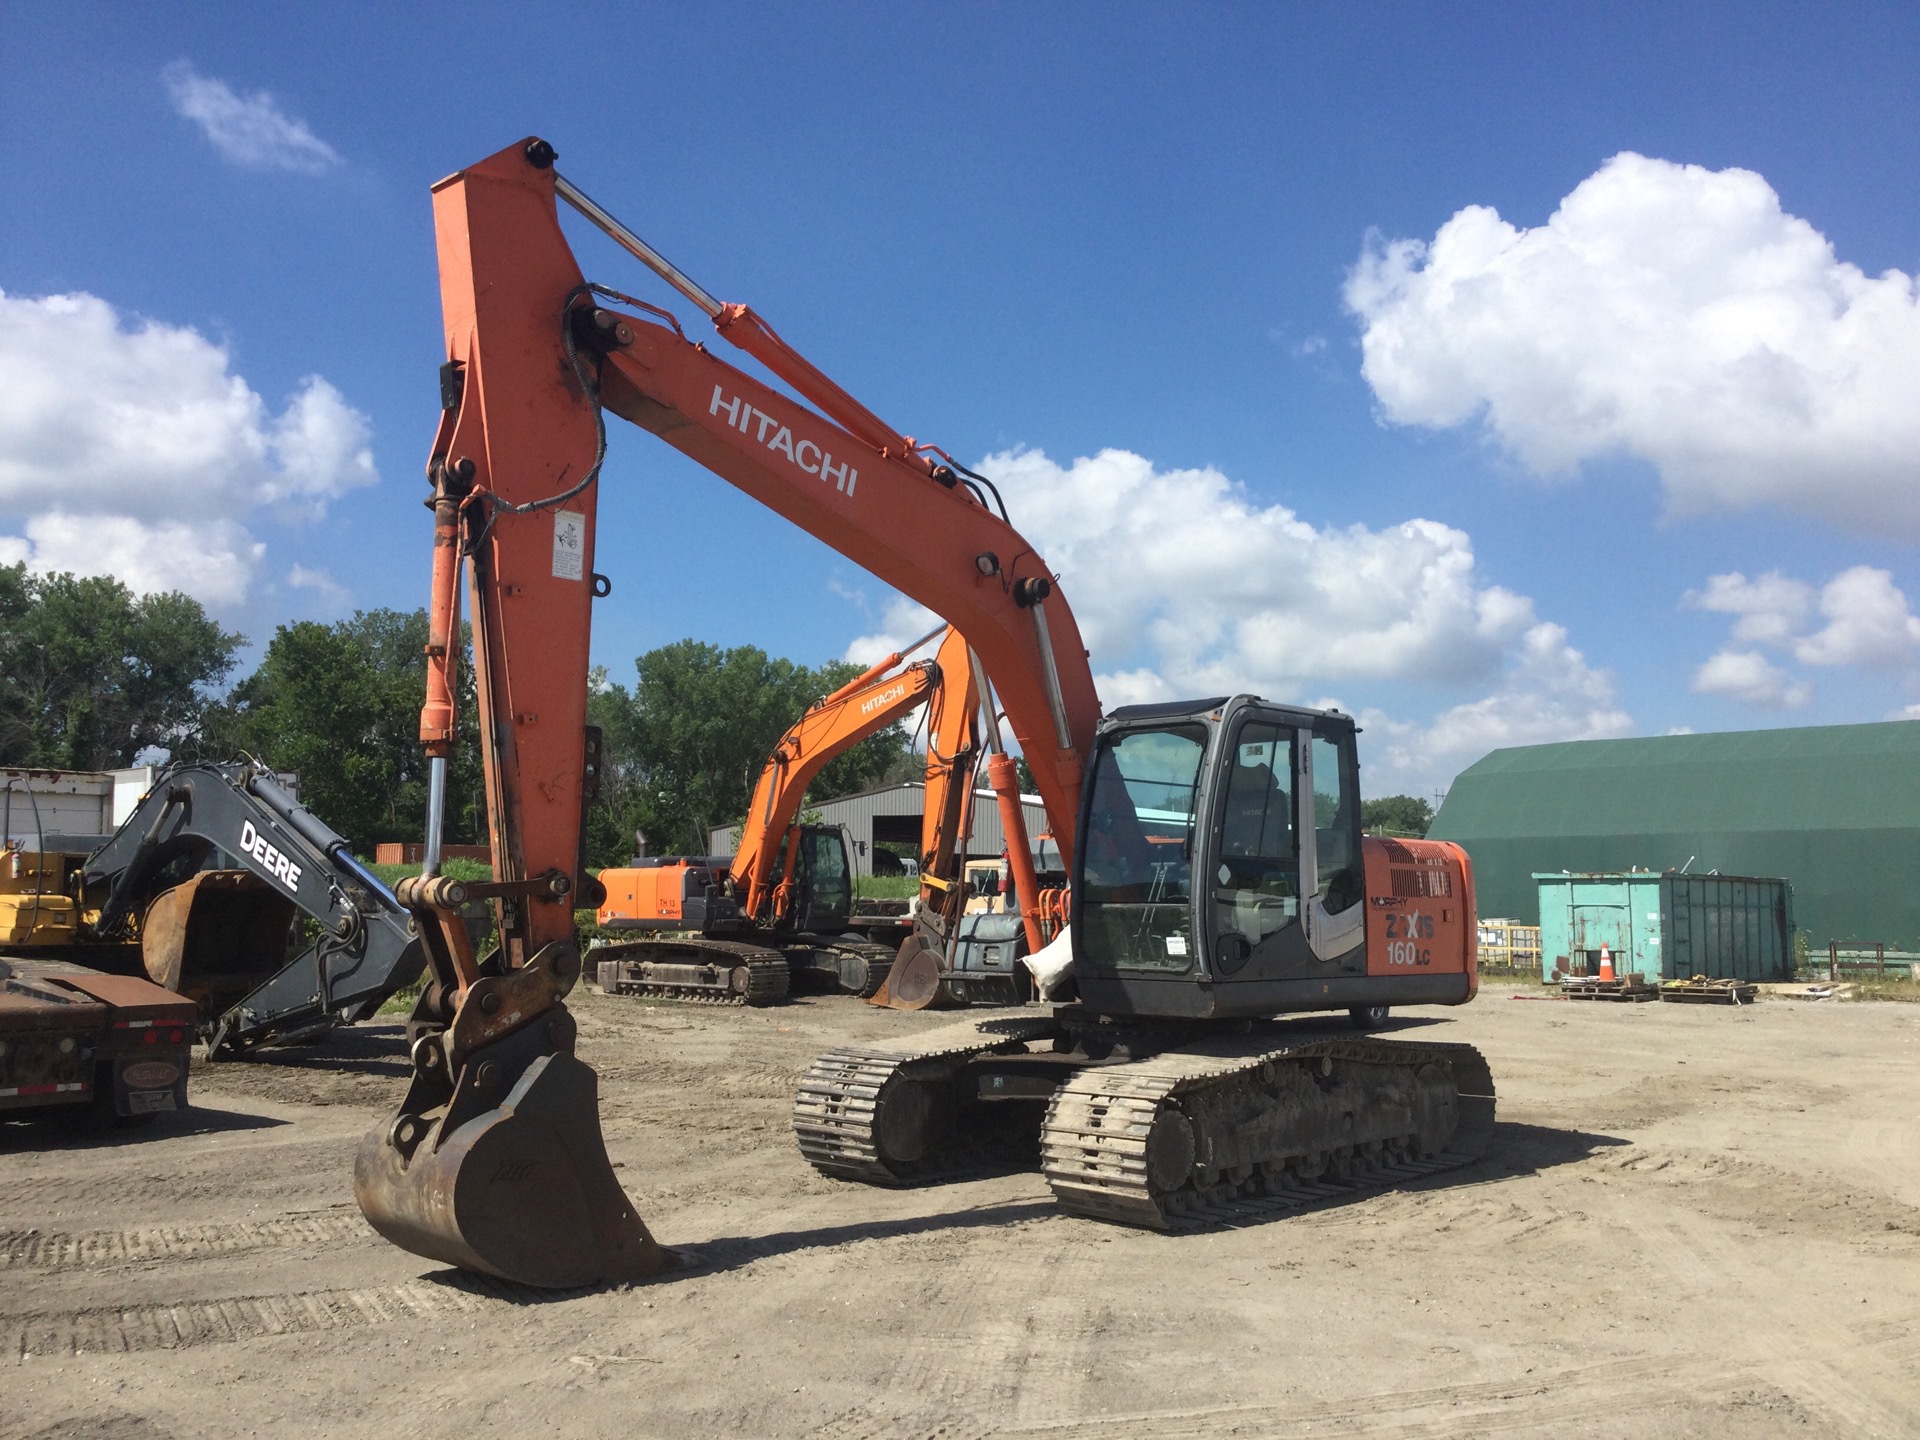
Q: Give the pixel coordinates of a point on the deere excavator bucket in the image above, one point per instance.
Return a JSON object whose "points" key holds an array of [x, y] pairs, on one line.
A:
{"points": [[215, 937], [495, 1161]]}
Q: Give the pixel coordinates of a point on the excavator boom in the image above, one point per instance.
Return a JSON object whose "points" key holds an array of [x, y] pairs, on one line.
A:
{"points": [[210, 934], [780, 913]]}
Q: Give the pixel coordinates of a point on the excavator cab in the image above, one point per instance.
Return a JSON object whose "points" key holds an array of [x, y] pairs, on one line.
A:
{"points": [[1220, 873], [824, 884]]}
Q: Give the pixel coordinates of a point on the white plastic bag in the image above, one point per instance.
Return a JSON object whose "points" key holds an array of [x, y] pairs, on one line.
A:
{"points": [[1053, 965]]}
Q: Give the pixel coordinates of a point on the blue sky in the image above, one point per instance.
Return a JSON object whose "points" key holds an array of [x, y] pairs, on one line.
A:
{"points": [[1636, 455]]}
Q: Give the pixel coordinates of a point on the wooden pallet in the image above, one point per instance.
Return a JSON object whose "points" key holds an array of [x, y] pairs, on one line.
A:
{"points": [[1710, 992], [1628, 989]]}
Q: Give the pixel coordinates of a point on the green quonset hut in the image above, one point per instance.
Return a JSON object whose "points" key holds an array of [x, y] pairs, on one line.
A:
{"points": [[1833, 809]]}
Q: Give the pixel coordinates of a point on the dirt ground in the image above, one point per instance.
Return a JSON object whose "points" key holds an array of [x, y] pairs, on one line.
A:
{"points": [[1693, 1222]]}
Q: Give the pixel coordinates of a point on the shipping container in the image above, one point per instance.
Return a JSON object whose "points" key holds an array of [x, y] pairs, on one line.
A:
{"points": [[1666, 926]]}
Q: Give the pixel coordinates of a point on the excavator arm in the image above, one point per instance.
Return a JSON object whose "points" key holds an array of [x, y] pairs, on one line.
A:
{"points": [[494, 1160]]}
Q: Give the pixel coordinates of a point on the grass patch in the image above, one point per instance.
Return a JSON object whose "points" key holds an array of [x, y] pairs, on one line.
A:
{"points": [[1904, 991], [391, 875], [886, 887]]}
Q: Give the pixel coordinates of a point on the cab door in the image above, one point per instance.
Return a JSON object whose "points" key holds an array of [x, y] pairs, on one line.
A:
{"points": [[1253, 880], [826, 898], [1336, 912]]}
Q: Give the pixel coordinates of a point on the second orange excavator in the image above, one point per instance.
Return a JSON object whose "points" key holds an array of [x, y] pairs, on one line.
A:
{"points": [[779, 914]]}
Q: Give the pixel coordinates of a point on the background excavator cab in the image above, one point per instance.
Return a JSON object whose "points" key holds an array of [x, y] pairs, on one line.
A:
{"points": [[823, 884], [698, 892]]}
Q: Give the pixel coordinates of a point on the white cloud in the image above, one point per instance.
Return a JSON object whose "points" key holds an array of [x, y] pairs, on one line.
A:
{"points": [[213, 561], [131, 448], [328, 592], [1667, 312], [249, 130], [1232, 594], [1772, 608], [901, 623], [320, 447], [1183, 585], [1868, 625], [1748, 676], [1547, 692]]}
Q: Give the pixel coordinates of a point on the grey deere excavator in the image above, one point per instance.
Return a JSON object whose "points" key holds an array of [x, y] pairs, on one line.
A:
{"points": [[222, 887]]}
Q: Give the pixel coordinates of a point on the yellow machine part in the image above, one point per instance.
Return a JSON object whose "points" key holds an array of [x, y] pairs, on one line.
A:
{"points": [[34, 911], [37, 920]]}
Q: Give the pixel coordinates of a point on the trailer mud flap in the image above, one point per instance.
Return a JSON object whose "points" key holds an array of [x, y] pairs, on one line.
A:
{"points": [[522, 1189]]}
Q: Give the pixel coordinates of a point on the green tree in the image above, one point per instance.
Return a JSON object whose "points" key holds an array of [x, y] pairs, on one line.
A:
{"points": [[620, 807], [340, 706], [91, 675], [1402, 815], [685, 746]]}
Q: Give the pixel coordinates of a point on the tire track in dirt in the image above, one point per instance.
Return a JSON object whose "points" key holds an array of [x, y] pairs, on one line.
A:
{"points": [[861, 1423], [1003, 1338], [128, 1329], [54, 1197], [1526, 1404], [58, 1250], [1751, 1191], [1853, 1375]]}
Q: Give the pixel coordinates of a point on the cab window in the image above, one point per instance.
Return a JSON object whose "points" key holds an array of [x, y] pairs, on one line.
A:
{"points": [[1336, 822], [1256, 881]]}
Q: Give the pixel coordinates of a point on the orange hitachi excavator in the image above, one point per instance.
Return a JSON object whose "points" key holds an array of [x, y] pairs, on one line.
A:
{"points": [[1219, 876], [743, 931]]}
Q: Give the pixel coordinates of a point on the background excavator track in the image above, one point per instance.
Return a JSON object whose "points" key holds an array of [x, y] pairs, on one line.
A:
{"points": [[712, 972]]}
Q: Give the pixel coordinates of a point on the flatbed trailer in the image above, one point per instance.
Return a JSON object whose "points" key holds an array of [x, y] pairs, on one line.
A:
{"points": [[69, 1036]]}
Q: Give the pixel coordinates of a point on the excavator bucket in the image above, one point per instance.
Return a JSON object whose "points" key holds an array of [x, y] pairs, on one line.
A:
{"points": [[520, 1188], [215, 937], [915, 982]]}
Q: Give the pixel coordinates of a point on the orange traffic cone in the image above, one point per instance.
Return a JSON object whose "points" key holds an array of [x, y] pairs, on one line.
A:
{"points": [[1606, 963]]}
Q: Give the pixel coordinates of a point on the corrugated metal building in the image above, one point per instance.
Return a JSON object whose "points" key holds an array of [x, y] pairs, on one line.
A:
{"points": [[1833, 809], [892, 813], [73, 804]]}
